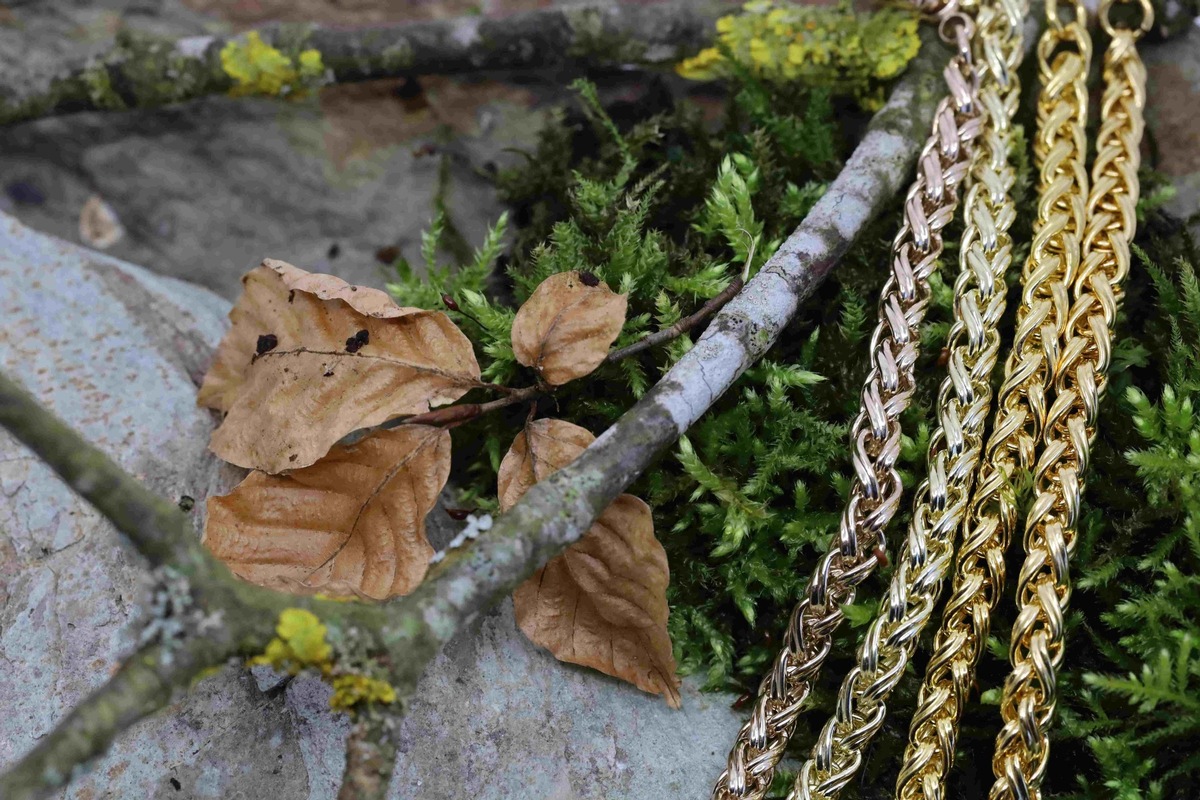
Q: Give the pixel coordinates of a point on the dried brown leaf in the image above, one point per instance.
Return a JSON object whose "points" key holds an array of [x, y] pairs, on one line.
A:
{"points": [[353, 524], [310, 358], [566, 326], [603, 602], [544, 447]]}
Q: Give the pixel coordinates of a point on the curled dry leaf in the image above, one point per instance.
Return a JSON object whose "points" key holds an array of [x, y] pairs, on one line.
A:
{"points": [[99, 226], [603, 602], [310, 358], [351, 524], [565, 328]]}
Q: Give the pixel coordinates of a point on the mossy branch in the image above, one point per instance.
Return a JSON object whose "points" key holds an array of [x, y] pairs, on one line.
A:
{"points": [[146, 682], [141, 72]]}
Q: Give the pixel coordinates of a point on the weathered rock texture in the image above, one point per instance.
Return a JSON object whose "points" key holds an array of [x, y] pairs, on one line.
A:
{"points": [[117, 351]]}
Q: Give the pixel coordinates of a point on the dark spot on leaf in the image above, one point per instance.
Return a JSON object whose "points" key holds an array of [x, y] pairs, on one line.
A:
{"points": [[358, 341], [292, 457], [291, 295], [176, 785], [266, 343], [387, 255], [187, 503], [354, 288], [334, 251], [328, 373], [589, 279]]}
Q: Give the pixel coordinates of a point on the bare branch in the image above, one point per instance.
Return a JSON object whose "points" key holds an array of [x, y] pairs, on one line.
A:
{"points": [[370, 758], [144, 73]]}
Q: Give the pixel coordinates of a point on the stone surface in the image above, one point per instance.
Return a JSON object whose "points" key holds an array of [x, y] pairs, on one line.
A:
{"points": [[118, 352], [1173, 92]]}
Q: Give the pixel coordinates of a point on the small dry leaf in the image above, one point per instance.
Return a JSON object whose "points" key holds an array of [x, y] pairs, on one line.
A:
{"points": [[352, 524], [310, 358], [603, 602], [565, 328], [99, 226]]}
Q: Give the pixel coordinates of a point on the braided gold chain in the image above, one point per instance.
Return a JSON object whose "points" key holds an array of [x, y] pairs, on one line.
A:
{"points": [[1061, 151], [1080, 377], [875, 436], [964, 403]]}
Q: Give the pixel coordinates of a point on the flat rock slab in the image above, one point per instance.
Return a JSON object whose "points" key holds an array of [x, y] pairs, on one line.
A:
{"points": [[117, 352]]}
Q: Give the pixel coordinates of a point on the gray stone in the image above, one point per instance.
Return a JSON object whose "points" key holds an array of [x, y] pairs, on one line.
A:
{"points": [[117, 352]]}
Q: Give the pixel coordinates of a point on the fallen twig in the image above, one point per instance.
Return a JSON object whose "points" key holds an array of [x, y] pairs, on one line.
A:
{"points": [[144, 73]]}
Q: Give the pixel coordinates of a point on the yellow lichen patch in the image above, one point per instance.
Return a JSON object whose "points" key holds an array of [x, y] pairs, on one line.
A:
{"points": [[301, 644], [828, 47], [258, 68], [353, 690]]}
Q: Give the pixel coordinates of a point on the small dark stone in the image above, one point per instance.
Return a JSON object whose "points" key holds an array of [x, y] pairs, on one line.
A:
{"points": [[589, 279], [334, 251], [266, 343], [25, 193], [358, 341], [187, 503], [387, 255]]}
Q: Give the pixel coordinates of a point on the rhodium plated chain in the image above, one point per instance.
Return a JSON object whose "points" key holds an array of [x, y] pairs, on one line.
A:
{"points": [[964, 402], [1064, 54], [875, 435], [1080, 378]]}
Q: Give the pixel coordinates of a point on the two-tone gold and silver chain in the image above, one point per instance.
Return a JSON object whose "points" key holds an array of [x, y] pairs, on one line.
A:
{"points": [[1060, 148], [875, 435], [1080, 376], [964, 403]]}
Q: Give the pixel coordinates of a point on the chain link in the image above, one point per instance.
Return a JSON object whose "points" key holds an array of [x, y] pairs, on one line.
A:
{"points": [[1080, 378], [1061, 150], [875, 436], [964, 402]]}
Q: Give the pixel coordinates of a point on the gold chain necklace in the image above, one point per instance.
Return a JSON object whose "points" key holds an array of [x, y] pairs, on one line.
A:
{"points": [[1080, 377], [964, 403], [1061, 151], [875, 435]]}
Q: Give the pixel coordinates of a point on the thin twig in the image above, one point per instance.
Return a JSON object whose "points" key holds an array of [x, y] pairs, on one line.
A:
{"points": [[370, 758], [681, 327]]}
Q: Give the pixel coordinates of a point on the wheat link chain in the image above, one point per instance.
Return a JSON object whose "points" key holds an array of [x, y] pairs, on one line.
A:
{"points": [[1080, 377], [875, 435], [964, 403], [1060, 150]]}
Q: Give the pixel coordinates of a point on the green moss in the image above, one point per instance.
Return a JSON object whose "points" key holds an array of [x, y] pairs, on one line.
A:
{"points": [[664, 206]]}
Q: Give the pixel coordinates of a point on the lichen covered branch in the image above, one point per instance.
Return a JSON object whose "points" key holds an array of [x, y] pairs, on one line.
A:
{"points": [[141, 72], [146, 682]]}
